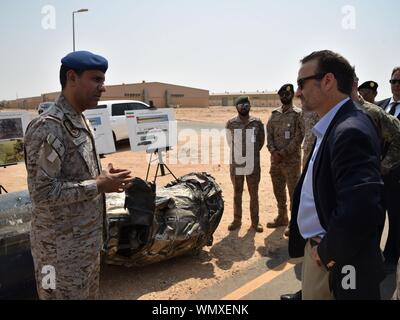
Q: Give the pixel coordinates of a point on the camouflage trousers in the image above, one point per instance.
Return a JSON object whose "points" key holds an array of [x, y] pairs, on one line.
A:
{"points": [[76, 265], [282, 175], [253, 182]]}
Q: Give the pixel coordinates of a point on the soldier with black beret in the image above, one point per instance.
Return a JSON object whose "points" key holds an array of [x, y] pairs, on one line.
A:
{"points": [[368, 90], [284, 137]]}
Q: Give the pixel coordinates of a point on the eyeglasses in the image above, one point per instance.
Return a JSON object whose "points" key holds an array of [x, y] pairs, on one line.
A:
{"points": [[244, 105], [394, 81], [301, 82]]}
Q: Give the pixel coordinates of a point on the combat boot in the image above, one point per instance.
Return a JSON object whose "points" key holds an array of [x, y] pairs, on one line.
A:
{"points": [[257, 227], [236, 224], [280, 221]]}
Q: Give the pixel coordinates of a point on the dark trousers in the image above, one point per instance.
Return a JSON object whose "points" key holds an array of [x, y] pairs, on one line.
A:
{"points": [[392, 204]]}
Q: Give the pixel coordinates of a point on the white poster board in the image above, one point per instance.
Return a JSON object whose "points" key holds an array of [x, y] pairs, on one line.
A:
{"points": [[151, 129], [12, 131], [100, 122]]}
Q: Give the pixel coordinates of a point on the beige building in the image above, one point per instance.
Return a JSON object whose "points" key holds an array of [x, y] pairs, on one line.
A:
{"points": [[257, 99], [163, 95]]}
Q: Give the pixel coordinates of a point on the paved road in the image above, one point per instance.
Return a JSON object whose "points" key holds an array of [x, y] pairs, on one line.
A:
{"points": [[270, 277]]}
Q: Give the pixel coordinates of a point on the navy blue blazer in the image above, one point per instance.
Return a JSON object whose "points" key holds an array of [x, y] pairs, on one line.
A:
{"points": [[347, 189], [384, 103]]}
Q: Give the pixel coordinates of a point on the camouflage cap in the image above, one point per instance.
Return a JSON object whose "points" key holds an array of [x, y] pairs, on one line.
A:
{"points": [[286, 87], [372, 85], [242, 99]]}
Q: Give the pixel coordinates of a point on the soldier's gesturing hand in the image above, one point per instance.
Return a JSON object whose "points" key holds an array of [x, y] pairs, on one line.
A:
{"points": [[113, 180]]}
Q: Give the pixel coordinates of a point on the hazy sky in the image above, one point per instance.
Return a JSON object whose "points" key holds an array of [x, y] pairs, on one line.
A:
{"points": [[219, 45]]}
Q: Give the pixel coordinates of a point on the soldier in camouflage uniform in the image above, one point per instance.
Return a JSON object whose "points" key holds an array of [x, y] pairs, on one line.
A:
{"points": [[309, 120], [284, 137], [67, 185], [246, 136], [388, 128]]}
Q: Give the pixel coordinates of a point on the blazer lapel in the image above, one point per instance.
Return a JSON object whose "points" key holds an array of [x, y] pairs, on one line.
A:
{"points": [[349, 105]]}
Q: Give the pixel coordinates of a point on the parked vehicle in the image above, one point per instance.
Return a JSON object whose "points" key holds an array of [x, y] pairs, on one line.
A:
{"points": [[116, 109]]}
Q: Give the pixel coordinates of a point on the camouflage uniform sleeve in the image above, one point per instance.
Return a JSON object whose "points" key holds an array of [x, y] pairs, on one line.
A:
{"points": [[261, 135], [303, 123], [295, 142], [390, 131], [228, 134], [270, 136], [45, 152]]}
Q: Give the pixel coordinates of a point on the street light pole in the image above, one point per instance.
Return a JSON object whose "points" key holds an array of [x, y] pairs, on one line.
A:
{"points": [[73, 25]]}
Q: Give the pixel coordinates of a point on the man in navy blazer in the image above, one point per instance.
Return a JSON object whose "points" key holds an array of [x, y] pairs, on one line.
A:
{"points": [[337, 208], [392, 105]]}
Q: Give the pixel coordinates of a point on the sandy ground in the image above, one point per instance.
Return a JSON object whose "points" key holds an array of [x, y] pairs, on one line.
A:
{"points": [[231, 252]]}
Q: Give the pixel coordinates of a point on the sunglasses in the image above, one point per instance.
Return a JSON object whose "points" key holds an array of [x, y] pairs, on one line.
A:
{"points": [[394, 81], [285, 94], [302, 81]]}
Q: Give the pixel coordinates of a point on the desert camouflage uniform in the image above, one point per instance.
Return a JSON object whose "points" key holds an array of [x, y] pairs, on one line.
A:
{"points": [[68, 212], [388, 128], [284, 134], [256, 141], [309, 120]]}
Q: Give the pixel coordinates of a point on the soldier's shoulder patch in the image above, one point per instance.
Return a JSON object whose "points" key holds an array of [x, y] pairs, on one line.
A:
{"points": [[72, 130], [54, 112], [56, 144]]}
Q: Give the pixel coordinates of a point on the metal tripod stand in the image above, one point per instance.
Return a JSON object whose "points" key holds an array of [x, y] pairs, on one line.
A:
{"points": [[160, 165]]}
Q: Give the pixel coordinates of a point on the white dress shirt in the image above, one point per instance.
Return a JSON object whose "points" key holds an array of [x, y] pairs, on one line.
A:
{"points": [[391, 102], [307, 218]]}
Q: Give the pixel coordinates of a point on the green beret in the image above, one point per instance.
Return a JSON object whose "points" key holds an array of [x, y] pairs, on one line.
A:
{"points": [[372, 85], [286, 87], [241, 100]]}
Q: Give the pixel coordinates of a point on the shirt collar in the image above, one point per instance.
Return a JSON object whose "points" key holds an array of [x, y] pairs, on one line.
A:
{"points": [[322, 125], [392, 101]]}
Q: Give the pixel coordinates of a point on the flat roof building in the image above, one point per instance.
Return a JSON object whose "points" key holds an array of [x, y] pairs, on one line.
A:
{"points": [[257, 99], [163, 95]]}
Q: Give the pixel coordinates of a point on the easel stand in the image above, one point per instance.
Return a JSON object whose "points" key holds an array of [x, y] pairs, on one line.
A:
{"points": [[160, 164], [2, 189], [1, 186]]}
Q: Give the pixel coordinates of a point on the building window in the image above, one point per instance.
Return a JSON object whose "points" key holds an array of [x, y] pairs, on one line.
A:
{"points": [[133, 95]]}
